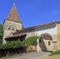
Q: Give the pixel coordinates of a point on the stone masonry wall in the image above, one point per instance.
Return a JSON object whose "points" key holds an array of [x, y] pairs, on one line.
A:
{"points": [[10, 27], [58, 35]]}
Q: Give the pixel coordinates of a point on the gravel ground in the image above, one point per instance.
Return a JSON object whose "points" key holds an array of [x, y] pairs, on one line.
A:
{"points": [[32, 55]]}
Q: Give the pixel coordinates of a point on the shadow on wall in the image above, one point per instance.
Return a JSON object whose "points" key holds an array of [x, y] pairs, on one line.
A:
{"points": [[42, 45], [44, 36]]}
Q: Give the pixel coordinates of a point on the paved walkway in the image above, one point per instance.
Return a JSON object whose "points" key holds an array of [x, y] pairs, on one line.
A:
{"points": [[32, 55]]}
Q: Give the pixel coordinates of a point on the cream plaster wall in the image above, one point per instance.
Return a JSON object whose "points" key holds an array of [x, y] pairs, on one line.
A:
{"points": [[52, 30]]}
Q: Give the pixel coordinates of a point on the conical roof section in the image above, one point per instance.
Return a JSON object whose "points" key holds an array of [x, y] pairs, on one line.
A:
{"points": [[13, 16]]}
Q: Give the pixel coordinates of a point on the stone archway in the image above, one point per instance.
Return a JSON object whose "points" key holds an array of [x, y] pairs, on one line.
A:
{"points": [[45, 42]]}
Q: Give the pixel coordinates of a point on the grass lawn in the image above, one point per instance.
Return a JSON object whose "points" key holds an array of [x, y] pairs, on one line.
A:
{"points": [[55, 53]]}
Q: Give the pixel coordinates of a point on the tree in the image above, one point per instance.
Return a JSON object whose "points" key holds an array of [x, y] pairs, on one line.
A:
{"points": [[1, 32], [31, 40]]}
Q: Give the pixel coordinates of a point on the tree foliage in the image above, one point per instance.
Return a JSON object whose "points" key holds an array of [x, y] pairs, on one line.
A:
{"points": [[16, 44], [1, 32], [31, 40], [1, 28]]}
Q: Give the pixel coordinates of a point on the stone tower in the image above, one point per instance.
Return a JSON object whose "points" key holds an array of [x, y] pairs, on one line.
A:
{"points": [[11, 24]]}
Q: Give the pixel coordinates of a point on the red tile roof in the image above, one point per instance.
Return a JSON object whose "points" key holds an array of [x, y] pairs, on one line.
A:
{"points": [[13, 14], [34, 27], [17, 35]]}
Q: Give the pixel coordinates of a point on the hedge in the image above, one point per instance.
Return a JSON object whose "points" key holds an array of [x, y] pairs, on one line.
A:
{"points": [[16, 44]]}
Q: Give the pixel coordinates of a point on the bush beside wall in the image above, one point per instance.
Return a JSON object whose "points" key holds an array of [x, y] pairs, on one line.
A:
{"points": [[14, 47], [16, 44]]}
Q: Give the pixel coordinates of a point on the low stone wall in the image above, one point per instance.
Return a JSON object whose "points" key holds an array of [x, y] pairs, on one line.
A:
{"points": [[31, 48]]}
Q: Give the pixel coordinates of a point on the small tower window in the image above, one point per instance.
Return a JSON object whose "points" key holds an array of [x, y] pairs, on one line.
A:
{"points": [[8, 28], [12, 28]]}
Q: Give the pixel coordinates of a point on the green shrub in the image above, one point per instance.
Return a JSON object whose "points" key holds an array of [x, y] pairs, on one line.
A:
{"points": [[16, 44], [31, 40], [1, 33], [55, 53]]}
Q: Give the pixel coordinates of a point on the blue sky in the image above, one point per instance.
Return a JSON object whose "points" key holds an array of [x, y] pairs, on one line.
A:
{"points": [[32, 12]]}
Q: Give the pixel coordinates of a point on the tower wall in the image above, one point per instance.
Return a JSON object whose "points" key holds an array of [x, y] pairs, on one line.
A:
{"points": [[10, 27]]}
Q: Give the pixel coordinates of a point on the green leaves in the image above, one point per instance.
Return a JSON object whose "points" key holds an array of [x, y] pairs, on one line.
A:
{"points": [[1, 30], [12, 44], [31, 40], [1, 33], [16, 44]]}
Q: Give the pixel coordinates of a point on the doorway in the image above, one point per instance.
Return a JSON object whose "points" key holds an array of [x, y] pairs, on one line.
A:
{"points": [[45, 42]]}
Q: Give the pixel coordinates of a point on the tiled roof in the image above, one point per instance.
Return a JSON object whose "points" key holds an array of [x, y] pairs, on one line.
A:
{"points": [[17, 35], [35, 27], [13, 14]]}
